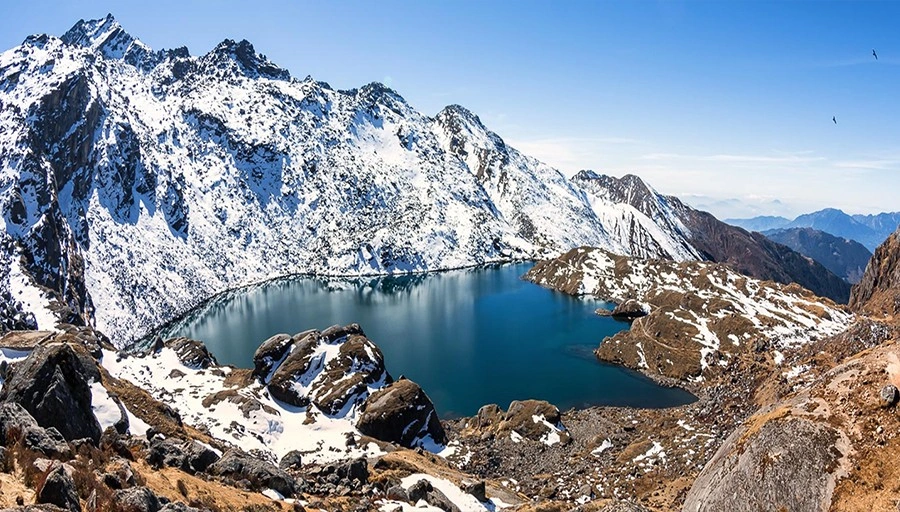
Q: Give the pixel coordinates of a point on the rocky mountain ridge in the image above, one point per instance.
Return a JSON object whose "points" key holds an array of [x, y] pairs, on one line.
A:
{"points": [[134, 184], [845, 258], [869, 230], [150, 180]]}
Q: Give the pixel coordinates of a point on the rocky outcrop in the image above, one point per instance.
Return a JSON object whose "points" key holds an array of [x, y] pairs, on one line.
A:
{"points": [[236, 465], [16, 423], [192, 353], [878, 292], [401, 413], [313, 373], [784, 465], [272, 352], [58, 488], [536, 420], [826, 446], [188, 456], [52, 384], [702, 317], [629, 310]]}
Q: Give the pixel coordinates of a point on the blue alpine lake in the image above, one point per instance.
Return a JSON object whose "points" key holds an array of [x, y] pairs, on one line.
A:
{"points": [[468, 337]]}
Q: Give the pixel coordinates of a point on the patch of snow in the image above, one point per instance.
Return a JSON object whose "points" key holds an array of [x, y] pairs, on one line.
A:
{"points": [[464, 501], [104, 408], [605, 445], [515, 436]]}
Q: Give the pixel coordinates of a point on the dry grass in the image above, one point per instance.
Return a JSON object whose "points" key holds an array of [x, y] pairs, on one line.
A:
{"points": [[179, 486]]}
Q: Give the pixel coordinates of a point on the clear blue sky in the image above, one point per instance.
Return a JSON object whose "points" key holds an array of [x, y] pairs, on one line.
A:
{"points": [[728, 104]]}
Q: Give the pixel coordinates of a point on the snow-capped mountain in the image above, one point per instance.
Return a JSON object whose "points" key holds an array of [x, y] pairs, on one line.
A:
{"points": [[136, 183]]}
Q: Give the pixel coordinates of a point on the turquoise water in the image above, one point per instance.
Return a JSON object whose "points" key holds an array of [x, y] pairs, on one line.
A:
{"points": [[468, 337]]}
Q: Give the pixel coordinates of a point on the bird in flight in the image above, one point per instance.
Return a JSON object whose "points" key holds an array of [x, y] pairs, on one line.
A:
{"points": [[833, 118], [874, 54]]}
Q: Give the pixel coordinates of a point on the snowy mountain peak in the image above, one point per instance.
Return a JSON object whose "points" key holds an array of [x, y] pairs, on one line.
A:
{"points": [[243, 58], [108, 37]]}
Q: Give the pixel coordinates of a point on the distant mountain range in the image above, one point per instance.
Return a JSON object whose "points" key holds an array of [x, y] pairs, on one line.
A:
{"points": [[869, 230], [846, 258], [135, 183]]}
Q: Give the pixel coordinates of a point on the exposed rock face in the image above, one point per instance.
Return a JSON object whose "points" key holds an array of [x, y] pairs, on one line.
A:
{"points": [[192, 353], [702, 315], [14, 418], [754, 472], [236, 465], [58, 489], [710, 239], [845, 258], [829, 446], [536, 420], [52, 384], [401, 413], [878, 292], [332, 369]]}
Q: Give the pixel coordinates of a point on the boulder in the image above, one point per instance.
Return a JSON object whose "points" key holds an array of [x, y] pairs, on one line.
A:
{"points": [[236, 466], [58, 488], [270, 354], [475, 489], [401, 413], [14, 419], [52, 385], [291, 460], [46, 507], [188, 456], [136, 499], [746, 474], [192, 353], [888, 395]]}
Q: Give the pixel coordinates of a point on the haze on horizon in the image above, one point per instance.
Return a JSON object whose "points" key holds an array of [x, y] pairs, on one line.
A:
{"points": [[727, 105]]}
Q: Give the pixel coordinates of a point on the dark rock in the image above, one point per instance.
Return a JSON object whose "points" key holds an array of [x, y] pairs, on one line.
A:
{"points": [[5, 463], [475, 489], [58, 488], [397, 493], [52, 385], [136, 499], [623, 506], [112, 481], [438, 499], [401, 413], [192, 353], [199, 457], [291, 460], [270, 353], [355, 470], [15, 419], [418, 490], [188, 456], [236, 465], [165, 452], [888, 395]]}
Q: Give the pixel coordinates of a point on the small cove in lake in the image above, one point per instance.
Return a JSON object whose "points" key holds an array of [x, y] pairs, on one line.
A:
{"points": [[468, 337]]}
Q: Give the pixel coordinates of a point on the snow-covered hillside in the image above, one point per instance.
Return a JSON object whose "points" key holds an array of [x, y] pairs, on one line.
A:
{"points": [[136, 183]]}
